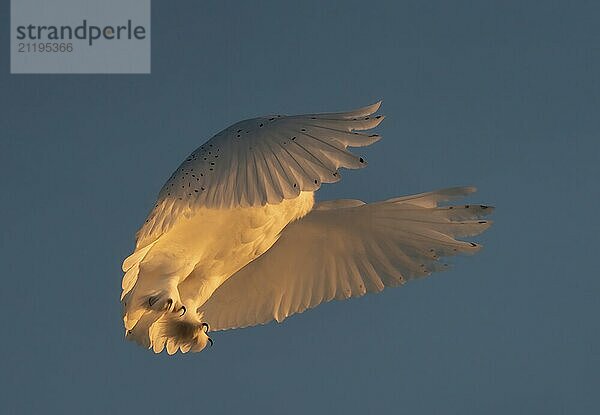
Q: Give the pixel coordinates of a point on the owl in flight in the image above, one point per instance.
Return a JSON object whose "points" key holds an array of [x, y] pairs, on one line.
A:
{"points": [[236, 239]]}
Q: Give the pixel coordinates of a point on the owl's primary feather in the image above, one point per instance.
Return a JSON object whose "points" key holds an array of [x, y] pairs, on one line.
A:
{"points": [[235, 240]]}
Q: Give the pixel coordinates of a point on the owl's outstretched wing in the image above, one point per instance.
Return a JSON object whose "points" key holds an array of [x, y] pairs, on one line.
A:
{"points": [[345, 249], [262, 160]]}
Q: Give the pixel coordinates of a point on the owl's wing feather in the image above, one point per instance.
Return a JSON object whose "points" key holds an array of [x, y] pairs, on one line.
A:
{"points": [[345, 249], [262, 160]]}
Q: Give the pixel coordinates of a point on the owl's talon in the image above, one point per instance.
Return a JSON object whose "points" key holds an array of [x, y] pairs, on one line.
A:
{"points": [[210, 341], [206, 327], [184, 310], [156, 302]]}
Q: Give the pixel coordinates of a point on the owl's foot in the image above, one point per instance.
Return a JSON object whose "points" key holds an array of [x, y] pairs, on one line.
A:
{"points": [[166, 302]]}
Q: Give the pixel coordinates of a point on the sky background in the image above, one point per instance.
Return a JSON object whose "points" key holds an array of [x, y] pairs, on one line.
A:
{"points": [[501, 95]]}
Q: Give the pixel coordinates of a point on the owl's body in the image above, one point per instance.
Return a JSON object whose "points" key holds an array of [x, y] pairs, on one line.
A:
{"points": [[236, 240], [198, 253]]}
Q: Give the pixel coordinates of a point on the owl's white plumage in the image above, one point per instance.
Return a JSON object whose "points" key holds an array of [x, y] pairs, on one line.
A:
{"points": [[236, 240]]}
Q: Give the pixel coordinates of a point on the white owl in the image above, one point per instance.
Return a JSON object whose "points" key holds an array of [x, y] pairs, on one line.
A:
{"points": [[235, 238]]}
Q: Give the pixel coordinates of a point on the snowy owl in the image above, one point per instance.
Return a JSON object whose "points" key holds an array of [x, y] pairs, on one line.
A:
{"points": [[235, 238]]}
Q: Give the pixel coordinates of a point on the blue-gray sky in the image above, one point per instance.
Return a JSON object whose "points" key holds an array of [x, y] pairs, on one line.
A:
{"points": [[502, 95]]}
